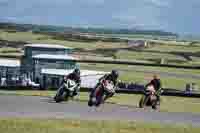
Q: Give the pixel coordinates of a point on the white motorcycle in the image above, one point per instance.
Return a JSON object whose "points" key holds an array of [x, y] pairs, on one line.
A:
{"points": [[65, 91]]}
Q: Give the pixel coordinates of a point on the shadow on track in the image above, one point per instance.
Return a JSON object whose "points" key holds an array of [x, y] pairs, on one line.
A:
{"points": [[108, 103]]}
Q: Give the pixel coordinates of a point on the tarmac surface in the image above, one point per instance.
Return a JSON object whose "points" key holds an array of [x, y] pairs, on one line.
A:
{"points": [[44, 107]]}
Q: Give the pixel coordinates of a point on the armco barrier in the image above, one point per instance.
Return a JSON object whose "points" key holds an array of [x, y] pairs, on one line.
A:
{"points": [[166, 92], [12, 88]]}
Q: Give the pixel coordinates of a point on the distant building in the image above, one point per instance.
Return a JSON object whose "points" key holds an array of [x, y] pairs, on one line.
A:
{"points": [[45, 64], [138, 43], [41, 56], [9, 70]]}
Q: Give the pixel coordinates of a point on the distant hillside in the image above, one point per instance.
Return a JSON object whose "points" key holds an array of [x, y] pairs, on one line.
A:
{"points": [[49, 28]]}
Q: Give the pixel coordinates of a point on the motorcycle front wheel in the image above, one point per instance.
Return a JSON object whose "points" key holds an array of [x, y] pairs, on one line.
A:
{"points": [[58, 99], [90, 103], [143, 101], [59, 95]]}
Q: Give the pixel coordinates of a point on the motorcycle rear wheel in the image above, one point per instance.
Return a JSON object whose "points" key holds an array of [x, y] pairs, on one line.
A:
{"points": [[58, 99], [155, 105], [63, 95]]}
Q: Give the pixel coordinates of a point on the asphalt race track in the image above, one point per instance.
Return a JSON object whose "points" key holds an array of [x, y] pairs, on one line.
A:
{"points": [[44, 107]]}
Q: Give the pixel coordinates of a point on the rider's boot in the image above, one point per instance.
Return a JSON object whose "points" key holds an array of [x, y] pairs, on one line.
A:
{"points": [[158, 99]]}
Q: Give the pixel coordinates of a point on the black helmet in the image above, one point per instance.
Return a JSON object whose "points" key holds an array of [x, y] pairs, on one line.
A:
{"points": [[77, 71], [115, 73]]}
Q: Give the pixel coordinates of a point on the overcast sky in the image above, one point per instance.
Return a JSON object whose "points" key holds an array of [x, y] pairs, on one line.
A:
{"points": [[180, 16]]}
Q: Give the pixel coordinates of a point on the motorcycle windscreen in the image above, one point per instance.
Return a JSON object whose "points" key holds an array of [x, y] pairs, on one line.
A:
{"points": [[70, 85], [109, 87]]}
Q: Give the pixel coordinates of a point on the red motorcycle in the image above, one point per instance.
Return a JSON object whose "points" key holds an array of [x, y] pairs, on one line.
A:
{"points": [[98, 94]]}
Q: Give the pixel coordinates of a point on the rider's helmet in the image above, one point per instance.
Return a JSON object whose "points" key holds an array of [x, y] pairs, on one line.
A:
{"points": [[77, 71], [155, 76], [115, 74]]}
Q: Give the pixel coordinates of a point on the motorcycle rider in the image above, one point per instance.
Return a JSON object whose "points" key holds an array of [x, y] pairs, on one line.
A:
{"points": [[75, 76], [156, 82], [113, 76]]}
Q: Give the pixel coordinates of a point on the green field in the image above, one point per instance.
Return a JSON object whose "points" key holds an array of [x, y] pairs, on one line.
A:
{"points": [[80, 126], [38, 38], [143, 75], [173, 52], [168, 103], [177, 53]]}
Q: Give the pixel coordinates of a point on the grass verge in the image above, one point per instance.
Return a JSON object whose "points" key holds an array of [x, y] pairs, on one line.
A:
{"points": [[79, 126]]}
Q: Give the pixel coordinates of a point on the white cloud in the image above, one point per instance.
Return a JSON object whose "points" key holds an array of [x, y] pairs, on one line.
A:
{"points": [[124, 17], [3, 1], [171, 15], [159, 3], [92, 2], [99, 2], [140, 21]]}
